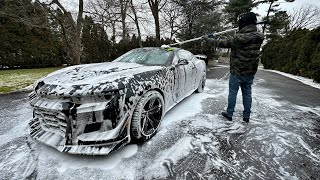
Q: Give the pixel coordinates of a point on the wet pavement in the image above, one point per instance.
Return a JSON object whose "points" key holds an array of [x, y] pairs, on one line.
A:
{"points": [[281, 141]]}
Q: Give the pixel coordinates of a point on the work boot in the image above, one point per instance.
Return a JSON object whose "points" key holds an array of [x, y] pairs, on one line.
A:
{"points": [[245, 119], [226, 116]]}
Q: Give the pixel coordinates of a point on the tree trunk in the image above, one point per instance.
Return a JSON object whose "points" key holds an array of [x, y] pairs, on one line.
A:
{"points": [[267, 17], [123, 8], [77, 48], [113, 38], [190, 21], [171, 29], [156, 20], [70, 30], [76, 54], [136, 22], [154, 6]]}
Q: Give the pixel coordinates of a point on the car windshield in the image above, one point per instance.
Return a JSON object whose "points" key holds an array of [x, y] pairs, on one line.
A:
{"points": [[146, 56]]}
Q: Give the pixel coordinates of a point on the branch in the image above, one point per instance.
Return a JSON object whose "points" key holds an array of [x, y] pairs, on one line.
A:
{"points": [[59, 5], [163, 5], [59, 21], [305, 17]]}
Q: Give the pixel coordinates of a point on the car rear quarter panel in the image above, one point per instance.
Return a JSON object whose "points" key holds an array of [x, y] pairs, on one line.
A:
{"points": [[201, 68]]}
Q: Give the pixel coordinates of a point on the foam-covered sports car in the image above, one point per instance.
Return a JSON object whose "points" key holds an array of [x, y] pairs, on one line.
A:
{"points": [[97, 108]]}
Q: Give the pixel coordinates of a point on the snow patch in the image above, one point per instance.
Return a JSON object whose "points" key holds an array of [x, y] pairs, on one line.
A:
{"points": [[186, 108]]}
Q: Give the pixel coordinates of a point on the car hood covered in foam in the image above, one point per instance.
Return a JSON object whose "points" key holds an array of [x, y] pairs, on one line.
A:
{"points": [[91, 78]]}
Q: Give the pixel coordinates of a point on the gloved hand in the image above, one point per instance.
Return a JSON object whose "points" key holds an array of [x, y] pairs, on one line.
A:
{"points": [[205, 38]]}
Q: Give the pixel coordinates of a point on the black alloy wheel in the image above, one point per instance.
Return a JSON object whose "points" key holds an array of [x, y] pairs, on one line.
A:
{"points": [[147, 116]]}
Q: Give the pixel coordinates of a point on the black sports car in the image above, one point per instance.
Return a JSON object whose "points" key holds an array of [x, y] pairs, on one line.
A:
{"points": [[97, 108]]}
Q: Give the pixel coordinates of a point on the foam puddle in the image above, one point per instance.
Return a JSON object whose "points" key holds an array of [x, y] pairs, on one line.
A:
{"points": [[95, 162]]}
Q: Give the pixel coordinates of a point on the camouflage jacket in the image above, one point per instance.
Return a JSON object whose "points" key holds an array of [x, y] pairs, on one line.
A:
{"points": [[245, 49]]}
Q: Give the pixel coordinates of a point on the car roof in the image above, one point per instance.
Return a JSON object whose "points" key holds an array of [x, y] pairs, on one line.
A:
{"points": [[173, 48]]}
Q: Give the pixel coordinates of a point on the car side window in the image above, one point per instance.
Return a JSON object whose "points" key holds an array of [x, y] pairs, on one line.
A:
{"points": [[175, 59], [182, 54]]}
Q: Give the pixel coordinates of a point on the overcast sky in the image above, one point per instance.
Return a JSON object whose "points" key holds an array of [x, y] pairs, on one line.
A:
{"points": [[297, 4], [71, 5], [261, 9]]}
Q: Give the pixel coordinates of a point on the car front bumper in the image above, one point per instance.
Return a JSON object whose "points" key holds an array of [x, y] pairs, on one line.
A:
{"points": [[57, 142], [93, 143], [78, 129]]}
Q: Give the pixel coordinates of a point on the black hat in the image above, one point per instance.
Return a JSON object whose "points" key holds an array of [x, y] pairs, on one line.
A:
{"points": [[247, 19]]}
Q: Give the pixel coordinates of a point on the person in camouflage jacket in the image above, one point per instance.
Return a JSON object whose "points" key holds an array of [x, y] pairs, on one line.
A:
{"points": [[244, 59]]}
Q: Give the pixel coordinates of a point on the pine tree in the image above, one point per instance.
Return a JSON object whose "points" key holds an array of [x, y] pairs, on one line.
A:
{"points": [[96, 46], [235, 8], [278, 24], [24, 44], [273, 7]]}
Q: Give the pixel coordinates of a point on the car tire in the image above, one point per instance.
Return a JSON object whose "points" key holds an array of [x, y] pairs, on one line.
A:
{"points": [[201, 86], [147, 116]]}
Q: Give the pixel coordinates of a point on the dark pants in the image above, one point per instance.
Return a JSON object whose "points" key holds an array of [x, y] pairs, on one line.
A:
{"points": [[245, 82]]}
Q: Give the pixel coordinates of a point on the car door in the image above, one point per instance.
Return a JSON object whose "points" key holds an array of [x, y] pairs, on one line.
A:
{"points": [[179, 78], [189, 70]]}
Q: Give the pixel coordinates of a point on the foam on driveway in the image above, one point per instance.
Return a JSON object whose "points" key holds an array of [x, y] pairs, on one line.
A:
{"points": [[194, 141]]}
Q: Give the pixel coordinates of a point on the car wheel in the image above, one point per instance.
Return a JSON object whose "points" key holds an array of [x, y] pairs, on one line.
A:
{"points": [[147, 116], [202, 84]]}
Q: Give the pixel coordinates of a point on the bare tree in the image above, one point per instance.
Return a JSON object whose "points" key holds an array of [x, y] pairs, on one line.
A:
{"points": [[70, 28], [156, 6], [105, 13], [123, 4], [110, 13], [171, 13], [136, 21], [308, 16]]}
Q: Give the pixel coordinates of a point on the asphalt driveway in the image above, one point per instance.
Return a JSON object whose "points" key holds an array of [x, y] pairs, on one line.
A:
{"points": [[282, 140]]}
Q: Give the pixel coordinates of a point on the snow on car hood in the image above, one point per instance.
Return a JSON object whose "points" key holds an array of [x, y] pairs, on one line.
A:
{"points": [[96, 73], [91, 79]]}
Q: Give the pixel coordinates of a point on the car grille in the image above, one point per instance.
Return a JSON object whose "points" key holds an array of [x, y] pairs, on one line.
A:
{"points": [[55, 122]]}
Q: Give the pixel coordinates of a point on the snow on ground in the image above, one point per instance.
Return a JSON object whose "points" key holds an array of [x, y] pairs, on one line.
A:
{"points": [[194, 142]]}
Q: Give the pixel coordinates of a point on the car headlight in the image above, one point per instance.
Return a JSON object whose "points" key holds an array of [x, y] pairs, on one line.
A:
{"points": [[38, 84], [97, 112]]}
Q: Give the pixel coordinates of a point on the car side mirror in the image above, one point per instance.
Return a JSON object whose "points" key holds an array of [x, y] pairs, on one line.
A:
{"points": [[183, 62]]}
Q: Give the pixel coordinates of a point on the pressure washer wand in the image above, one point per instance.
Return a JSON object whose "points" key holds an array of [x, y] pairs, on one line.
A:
{"points": [[198, 38]]}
